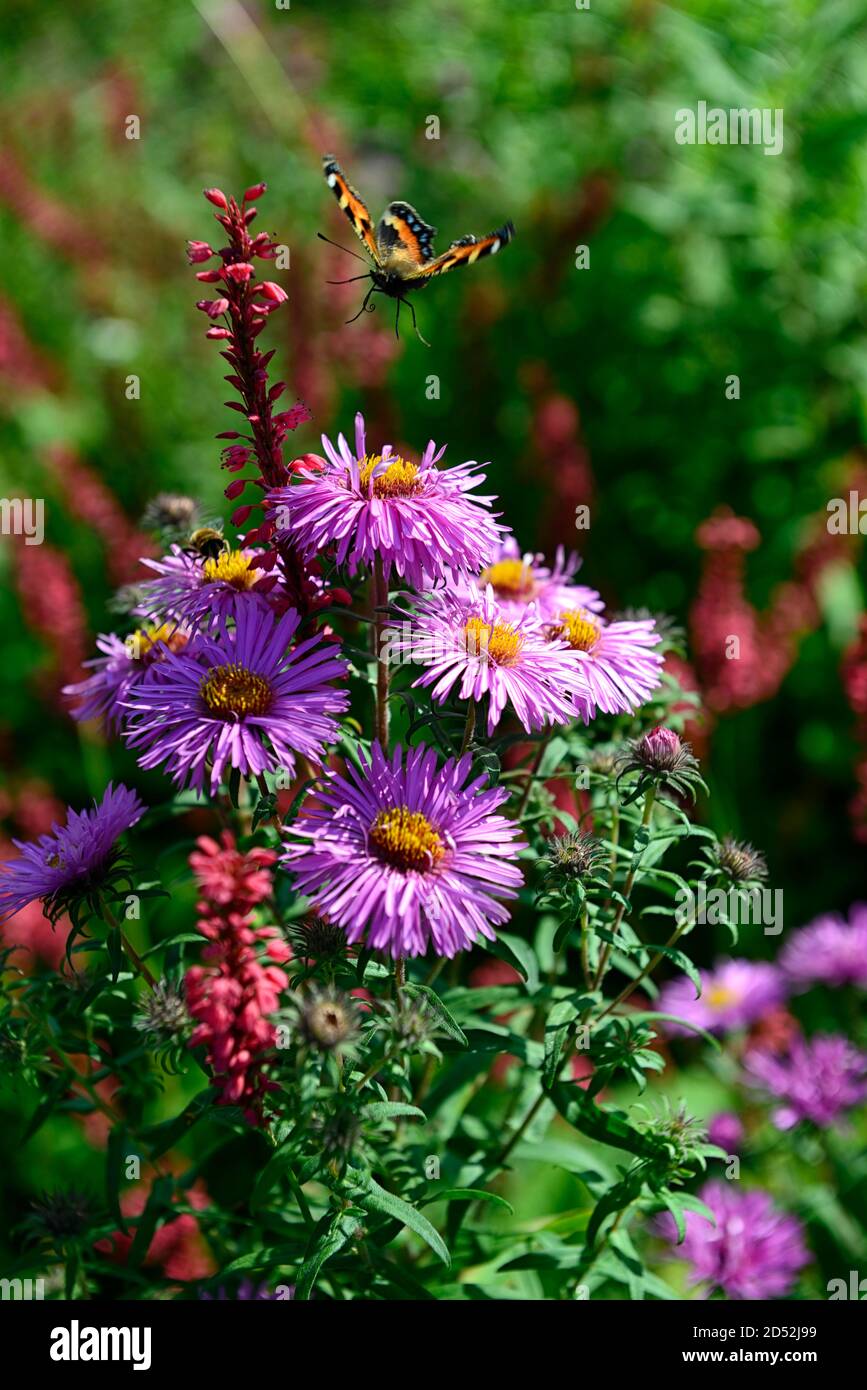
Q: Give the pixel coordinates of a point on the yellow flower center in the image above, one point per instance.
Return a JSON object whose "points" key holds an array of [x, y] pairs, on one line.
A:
{"points": [[232, 691], [719, 997], [512, 578], [406, 839], [141, 643], [579, 629], [398, 479], [499, 641], [231, 567]]}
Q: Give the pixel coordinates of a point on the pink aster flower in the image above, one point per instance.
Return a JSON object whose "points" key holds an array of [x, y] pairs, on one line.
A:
{"points": [[470, 641], [71, 860], [123, 664], [199, 592], [726, 1129], [830, 951], [733, 995], [618, 662], [755, 1251], [817, 1079], [404, 855], [423, 521], [519, 580], [238, 699]]}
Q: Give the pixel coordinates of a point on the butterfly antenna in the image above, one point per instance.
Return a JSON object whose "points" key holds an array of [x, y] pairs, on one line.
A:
{"points": [[409, 304], [351, 281], [341, 248], [397, 320]]}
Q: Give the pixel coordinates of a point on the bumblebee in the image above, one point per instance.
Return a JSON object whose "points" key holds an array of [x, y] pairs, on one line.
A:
{"points": [[207, 543]]}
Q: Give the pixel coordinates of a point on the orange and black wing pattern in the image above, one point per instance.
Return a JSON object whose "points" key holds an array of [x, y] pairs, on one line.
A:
{"points": [[351, 204], [404, 239], [468, 250]]}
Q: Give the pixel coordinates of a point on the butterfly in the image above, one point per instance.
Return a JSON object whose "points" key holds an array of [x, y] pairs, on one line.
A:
{"points": [[401, 247]]}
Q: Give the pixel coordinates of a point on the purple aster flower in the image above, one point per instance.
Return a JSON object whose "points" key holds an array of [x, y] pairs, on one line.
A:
{"points": [[520, 580], [816, 1079], [733, 995], [123, 664], [403, 854], [726, 1130], [238, 699], [754, 1251], [423, 521], [71, 861], [200, 591], [618, 662], [468, 640], [830, 951]]}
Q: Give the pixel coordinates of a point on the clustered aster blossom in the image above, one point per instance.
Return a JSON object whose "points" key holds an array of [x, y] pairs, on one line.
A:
{"points": [[71, 861], [468, 642], [405, 855], [830, 951], [618, 663], [123, 664], [232, 997], [199, 591], [817, 1079], [735, 994], [241, 699], [755, 1251], [519, 580], [423, 522]]}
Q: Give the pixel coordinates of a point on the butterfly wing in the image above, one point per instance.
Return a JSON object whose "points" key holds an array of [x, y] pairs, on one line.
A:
{"points": [[468, 250], [404, 241], [351, 204]]}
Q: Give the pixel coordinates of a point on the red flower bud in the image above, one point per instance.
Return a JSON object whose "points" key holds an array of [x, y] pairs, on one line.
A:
{"points": [[254, 192], [239, 271], [199, 251], [235, 489], [308, 463], [209, 277], [218, 333], [215, 196], [239, 516], [269, 290]]}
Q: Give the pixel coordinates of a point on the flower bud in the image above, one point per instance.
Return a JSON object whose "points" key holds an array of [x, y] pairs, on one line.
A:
{"points": [[255, 191], [239, 271], [217, 197]]}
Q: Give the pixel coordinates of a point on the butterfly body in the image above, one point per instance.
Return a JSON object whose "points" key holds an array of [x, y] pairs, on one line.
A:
{"points": [[401, 247]]}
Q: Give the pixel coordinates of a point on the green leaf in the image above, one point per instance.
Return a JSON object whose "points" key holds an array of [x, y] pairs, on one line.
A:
{"points": [[335, 1230], [158, 1204], [519, 953], [391, 1110], [556, 1033], [376, 1198], [445, 1020], [608, 1126], [468, 1194]]}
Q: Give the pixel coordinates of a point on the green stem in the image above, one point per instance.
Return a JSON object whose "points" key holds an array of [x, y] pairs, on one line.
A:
{"points": [[129, 950], [469, 727], [649, 967], [533, 772], [649, 799]]}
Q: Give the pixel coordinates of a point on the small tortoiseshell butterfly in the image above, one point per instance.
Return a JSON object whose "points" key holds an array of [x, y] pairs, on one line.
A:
{"points": [[401, 248]]}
